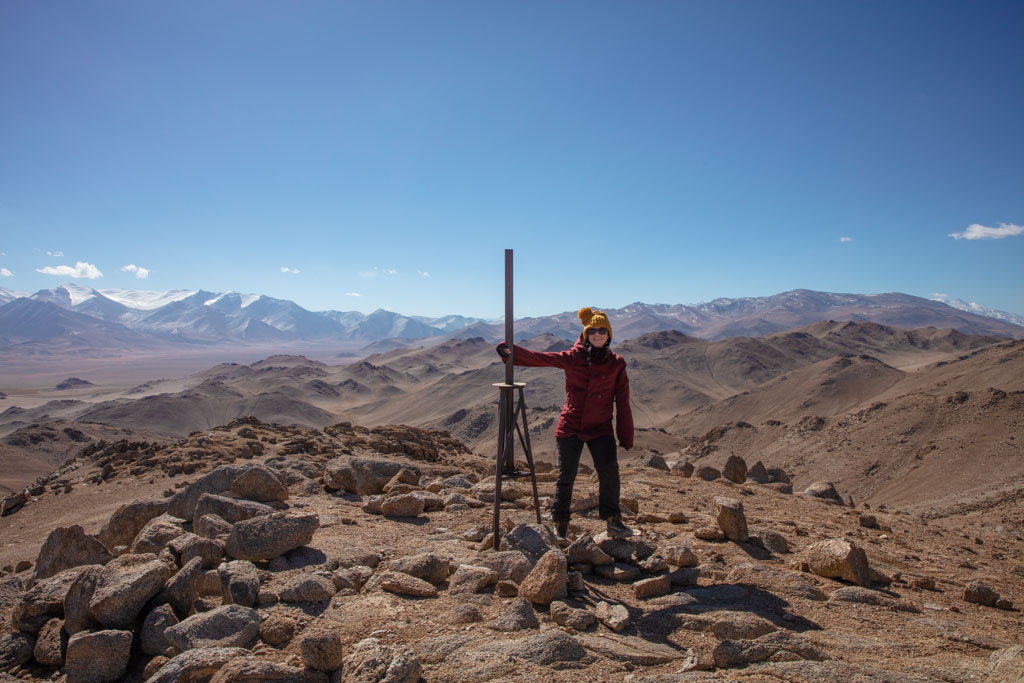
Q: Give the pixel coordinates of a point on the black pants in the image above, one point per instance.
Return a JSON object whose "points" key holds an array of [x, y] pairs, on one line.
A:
{"points": [[602, 450]]}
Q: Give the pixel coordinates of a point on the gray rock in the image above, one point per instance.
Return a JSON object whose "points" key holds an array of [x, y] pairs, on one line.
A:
{"points": [[980, 594], [679, 554], [212, 527], [183, 504], [864, 596], [128, 520], [67, 547], [465, 614], [260, 484], [547, 581], [51, 644], [511, 565], [182, 589], [837, 558], [430, 567], [615, 617], [654, 461], [308, 588], [620, 549], [371, 661], [228, 626], [321, 650], [77, 615], [544, 648], [458, 481], [361, 476], [618, 571], [735, 469], [400, 584], [44, 600], [707, 473], [683, 468], [516, 616], [431, 501], [230, 510], [404, 505], [151, 637], [264, 538], [573, 617], [350, 579], [769, 539], [758, 474], [97, 656], [239, 582], [156, 534], [731, 520], [125, 586], [210, 551], [470, 579], [653, 587], [825, 490], [277, 629], [585, 550], [15, 649], [533, 540], [196, 665]]}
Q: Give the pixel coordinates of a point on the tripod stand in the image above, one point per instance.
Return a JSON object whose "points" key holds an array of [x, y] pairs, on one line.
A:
{"points": [[510, 414]]}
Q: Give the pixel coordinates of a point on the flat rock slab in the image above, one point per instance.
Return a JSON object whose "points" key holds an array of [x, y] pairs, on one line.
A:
{"points": [[630, 649], [196, 665], [270, 536]]}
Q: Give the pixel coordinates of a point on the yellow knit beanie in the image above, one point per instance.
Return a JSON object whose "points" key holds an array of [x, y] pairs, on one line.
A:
{"points": [[591, 318]]}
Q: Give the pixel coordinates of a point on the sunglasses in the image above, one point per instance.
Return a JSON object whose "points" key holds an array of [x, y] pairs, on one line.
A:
{"points": [[597, 330]]}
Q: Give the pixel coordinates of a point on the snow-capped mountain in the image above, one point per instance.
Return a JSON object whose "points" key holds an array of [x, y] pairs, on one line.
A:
{"points": [[7, 295], [981, 310], [201, 317]]}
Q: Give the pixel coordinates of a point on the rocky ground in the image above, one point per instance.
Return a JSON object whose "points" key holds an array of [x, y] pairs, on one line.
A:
{"points": [[261, 552]]}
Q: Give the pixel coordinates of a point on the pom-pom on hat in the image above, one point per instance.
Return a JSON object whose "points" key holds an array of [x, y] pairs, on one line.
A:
{"points": [[591, 318]]}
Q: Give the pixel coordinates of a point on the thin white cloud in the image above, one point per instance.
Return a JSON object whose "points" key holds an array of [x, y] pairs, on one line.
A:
{"points": [[980, 232], [423, 273], [352, 294], [845, 239], [80, 270], [141, 273], [377, 271], [939, 296], [58, 254], [290, 271], [6, 273]]}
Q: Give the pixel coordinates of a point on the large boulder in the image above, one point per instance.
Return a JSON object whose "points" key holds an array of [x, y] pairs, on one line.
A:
{"points": [[321, 650], [547, 581], [260, 484], [511, 565], [404, 505], [68, 547], [836, 558], [51, 644], [127, 521], [735, 469], [264, 538], [308, 588], [77, 615], [585, 551], [98, 656], [229, 509], [183, 504], [227, 626], [152, 637], [156, 534], [125, 586], [181, 590], [189, 546], [470, 579], [731, 519], [400, 583], [15, 649], [362, 476], [252, 669], [45, 600]]}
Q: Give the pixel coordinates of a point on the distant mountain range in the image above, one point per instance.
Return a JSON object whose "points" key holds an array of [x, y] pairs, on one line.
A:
{"points": [[80, 318]]}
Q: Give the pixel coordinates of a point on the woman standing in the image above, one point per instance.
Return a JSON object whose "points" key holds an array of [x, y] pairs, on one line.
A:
{"points": [[595, 382]]}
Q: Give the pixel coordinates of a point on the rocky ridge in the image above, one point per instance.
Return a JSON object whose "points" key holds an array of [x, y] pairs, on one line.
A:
{"points": [[356, 554]]}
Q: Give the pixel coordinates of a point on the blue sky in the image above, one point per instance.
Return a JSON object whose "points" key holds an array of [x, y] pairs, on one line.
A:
{"points": [[386, 153]]}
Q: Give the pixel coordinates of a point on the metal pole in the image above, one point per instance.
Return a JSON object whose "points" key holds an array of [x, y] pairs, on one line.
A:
{"points": [[508, 407]]}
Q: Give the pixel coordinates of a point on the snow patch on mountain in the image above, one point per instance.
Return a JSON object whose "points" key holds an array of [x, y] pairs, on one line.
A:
{"points": [[972, 307], [145, 301]]}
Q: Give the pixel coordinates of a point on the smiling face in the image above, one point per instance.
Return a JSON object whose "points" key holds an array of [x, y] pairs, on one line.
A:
{"points": [[598, 336]]}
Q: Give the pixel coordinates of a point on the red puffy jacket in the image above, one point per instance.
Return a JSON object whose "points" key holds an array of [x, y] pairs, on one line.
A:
{"points": [[590, 391]]}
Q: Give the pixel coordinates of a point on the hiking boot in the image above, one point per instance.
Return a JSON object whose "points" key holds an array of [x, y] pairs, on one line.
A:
{"points": [[562, 532], [616, 529]]}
